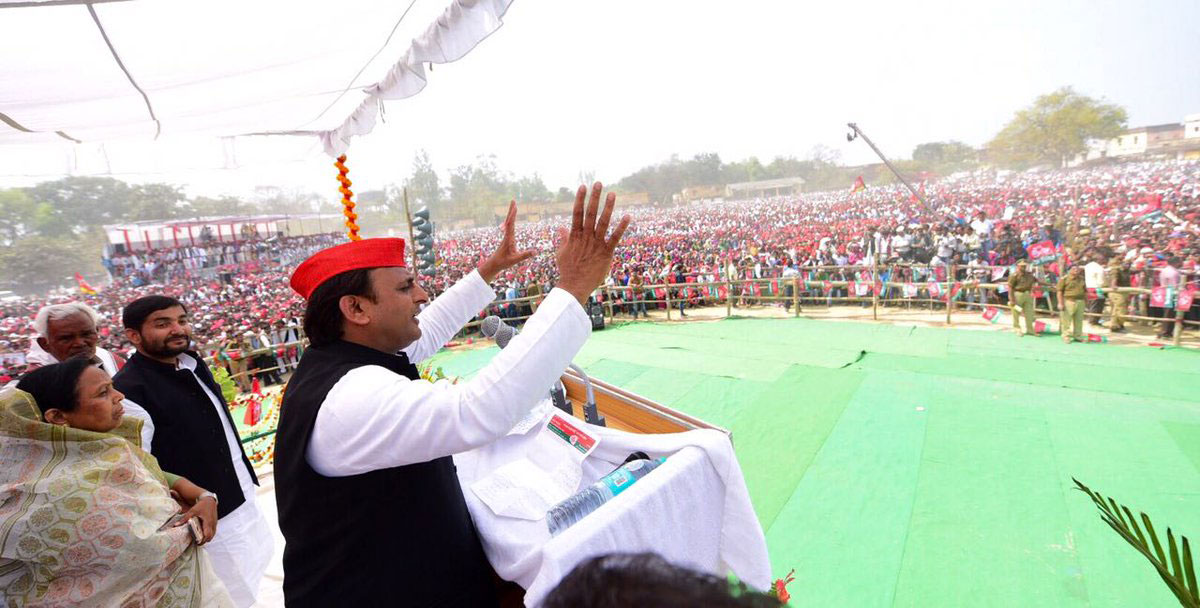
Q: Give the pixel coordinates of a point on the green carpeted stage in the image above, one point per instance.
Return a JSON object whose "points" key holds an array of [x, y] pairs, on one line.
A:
{"points": [[899, 466]]}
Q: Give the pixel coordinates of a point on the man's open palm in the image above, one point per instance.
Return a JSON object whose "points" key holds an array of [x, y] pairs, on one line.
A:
{"points": [[585, 255]]}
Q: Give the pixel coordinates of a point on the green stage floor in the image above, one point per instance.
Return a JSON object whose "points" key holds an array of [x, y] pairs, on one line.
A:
{"points": [[898, 466]]}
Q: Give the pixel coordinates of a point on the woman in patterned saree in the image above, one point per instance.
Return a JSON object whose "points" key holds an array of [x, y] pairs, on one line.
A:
{"points": [[86, 517]]}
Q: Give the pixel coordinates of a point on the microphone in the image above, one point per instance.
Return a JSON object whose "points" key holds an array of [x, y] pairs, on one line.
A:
{"points": [[495, 327], [490, 325]]}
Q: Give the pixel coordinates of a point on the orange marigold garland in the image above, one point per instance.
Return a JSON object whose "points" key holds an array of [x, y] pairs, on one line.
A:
{"points": [[347, 202], [779, 589]]}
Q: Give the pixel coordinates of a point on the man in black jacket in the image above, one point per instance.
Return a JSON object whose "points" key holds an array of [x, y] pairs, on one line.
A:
{"points": [[195, 436]]}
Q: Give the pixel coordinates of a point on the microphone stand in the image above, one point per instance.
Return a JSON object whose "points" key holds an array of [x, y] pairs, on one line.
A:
{"points": [[590, 414]]}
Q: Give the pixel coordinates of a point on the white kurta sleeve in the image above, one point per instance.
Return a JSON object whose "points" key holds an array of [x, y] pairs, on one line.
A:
{"points": [[375, 419], [448, 313], [136, 411]]}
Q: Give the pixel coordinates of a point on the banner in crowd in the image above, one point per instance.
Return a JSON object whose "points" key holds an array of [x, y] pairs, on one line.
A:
{"points": [[910, 290], [1184, 301], [1042, 252], [935, 290], [955, 291], [1162, 297]]}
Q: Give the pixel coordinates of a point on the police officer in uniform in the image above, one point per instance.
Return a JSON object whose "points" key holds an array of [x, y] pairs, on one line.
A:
{"points": [[1020, 296], [1072, 299], [1118, 277]]}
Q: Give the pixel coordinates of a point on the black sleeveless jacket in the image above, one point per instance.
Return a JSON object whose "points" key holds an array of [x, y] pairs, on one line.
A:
{"points": [[189, 439], [392, 537]]}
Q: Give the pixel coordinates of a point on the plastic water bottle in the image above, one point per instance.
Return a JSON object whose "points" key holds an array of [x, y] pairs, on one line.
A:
{"points": [[577, 506]]}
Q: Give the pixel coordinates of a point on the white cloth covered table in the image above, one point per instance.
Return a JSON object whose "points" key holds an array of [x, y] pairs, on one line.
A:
{"points": [[693, 510]]}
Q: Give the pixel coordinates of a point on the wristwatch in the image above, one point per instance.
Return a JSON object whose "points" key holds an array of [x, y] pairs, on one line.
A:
{"points": [[207, 494]]}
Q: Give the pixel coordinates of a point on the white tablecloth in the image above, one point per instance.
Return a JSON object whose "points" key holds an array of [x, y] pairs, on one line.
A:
{"points": [[693, 510]]}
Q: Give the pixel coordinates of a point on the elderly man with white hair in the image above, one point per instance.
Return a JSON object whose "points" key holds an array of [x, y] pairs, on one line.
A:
{"points": [[69, 330]]}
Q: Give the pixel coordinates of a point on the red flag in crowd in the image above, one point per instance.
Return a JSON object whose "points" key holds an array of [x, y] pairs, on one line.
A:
{"points": [[859, 184], [84, 287]]}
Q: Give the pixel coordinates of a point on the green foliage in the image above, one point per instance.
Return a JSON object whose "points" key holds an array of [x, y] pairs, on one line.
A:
{"points": [[203, 206], [273, 199], [154, 202], [34, 263], [1054, 128], [17, 214], [73, 205], [423, 186], [229, 389], [1182, 581], [937, 153]]}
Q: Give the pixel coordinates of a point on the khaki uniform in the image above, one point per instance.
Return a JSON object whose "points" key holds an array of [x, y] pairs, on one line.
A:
{"points": [[1118, 277], [1020, 286], [1073, 295]]}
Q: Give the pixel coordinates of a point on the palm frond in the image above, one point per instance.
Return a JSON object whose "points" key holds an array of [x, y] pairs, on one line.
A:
{"points": [[1178, 573]]}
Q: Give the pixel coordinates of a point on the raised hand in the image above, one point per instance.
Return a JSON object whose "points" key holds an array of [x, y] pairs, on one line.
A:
{"points": [[585, 255], [506, 255]]}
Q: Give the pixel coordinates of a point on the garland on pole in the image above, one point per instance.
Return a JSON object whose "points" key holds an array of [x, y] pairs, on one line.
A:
{"points": [[347, 202]]}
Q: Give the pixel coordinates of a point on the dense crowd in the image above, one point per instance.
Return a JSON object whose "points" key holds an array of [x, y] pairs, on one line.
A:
{"points": [[238, 297], [1144, 217]]}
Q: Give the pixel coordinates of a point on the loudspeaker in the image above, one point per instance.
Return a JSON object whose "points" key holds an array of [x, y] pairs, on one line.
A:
{"points": [[596, 312]]}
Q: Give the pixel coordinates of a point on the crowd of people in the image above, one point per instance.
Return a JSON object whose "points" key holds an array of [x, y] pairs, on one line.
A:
{"points": [[1140, 217], [1136, 218], [238, 296], [119, 374]]}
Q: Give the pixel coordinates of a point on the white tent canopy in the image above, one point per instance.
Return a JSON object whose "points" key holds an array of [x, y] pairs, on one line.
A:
{"points": [[138, 69]]}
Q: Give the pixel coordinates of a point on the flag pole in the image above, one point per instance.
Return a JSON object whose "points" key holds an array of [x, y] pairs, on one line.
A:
{"points": [[411, 242], [858, 133]]}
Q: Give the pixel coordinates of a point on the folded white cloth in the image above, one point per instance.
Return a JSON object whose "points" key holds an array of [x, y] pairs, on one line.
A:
{"points": [[694, 510]]}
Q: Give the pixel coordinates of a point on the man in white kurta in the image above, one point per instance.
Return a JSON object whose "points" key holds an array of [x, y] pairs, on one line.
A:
{"points": [[369, 504]]}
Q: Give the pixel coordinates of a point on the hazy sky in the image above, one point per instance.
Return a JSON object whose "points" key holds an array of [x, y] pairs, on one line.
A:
{"points": [[611, 86]]}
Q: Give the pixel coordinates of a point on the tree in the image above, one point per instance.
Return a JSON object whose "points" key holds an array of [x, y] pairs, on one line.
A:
{"points": [[823, 156], [34, 263], [203, 206], [1054, 128], [73, 205], [423, 186], [17, 212], [530, 188], [154, 202], [944, 152]]}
